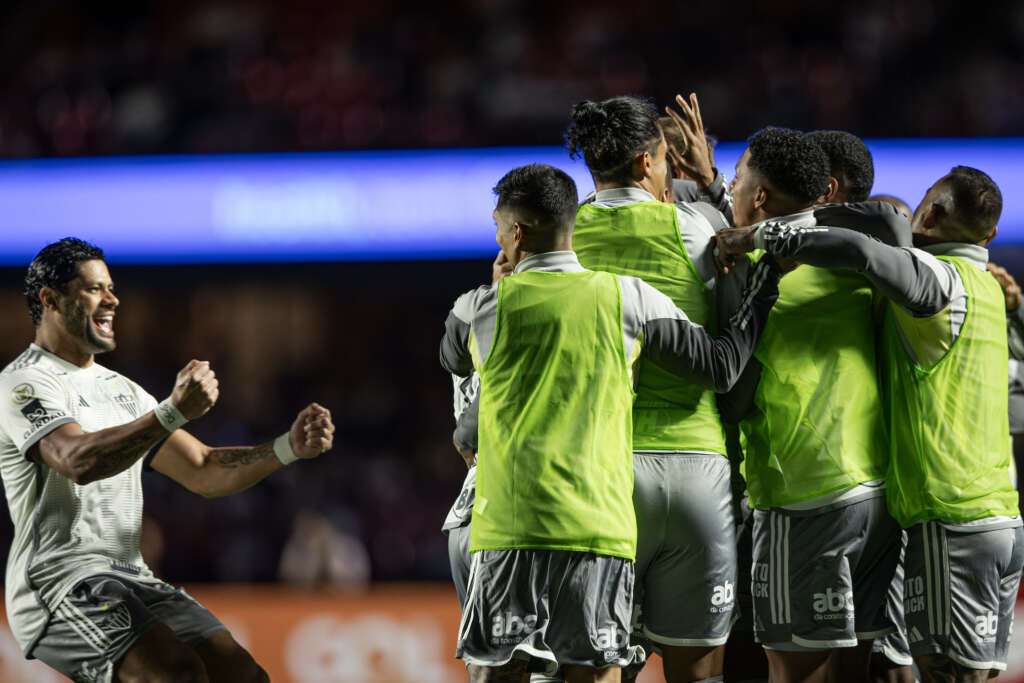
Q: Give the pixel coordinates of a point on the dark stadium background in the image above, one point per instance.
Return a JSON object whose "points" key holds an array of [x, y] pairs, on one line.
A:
{"points": [[161, 77]]}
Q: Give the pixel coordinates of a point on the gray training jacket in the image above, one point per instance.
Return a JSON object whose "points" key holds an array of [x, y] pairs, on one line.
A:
{"points": [[651, 323]]}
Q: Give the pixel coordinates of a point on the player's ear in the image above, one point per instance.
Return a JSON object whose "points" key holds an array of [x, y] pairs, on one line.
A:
{"points": [[518, 234], [995, 231], [642, 165], [830, 193], [760, 197], [50, 298], [933, 215]]}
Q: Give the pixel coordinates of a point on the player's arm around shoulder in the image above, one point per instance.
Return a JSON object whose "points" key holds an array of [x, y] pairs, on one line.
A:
{"points": [[85, 457], [687, 350], [220, 471]]}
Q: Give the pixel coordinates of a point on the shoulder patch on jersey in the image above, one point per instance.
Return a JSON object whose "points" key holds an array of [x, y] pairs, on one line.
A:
{"points": [[21, 393], [35, 413]]}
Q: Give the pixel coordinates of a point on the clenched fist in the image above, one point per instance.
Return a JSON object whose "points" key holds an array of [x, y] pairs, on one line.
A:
{"points": [[312, 433], [195, 390]]}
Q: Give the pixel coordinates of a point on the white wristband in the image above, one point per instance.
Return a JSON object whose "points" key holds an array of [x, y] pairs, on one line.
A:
{"points": [[283, 450], [168, 415]]}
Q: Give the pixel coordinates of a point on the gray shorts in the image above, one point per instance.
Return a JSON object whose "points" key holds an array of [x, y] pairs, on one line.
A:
{"points": [[93, 627], [686, 548], [959, 592], [744, 560], [820, 577], [551, 607], [458, 558], [894, 646]]}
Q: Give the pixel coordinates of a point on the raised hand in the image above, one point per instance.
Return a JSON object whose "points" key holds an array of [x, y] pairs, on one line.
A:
{"points": [[1011, 290], [500, 268], [696, 159], [195, 389], [312, 433]]}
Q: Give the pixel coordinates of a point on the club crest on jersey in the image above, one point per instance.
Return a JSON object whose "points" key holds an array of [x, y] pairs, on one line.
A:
{"points": [[128, 403], [21, 393]]}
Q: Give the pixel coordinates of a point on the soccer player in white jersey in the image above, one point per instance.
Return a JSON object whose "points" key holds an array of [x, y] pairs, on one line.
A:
{"points": [[74, 440]]}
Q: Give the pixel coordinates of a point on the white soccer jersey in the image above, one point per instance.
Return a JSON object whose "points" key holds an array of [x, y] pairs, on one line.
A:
{"points": [[64, 532], [465, 390]]}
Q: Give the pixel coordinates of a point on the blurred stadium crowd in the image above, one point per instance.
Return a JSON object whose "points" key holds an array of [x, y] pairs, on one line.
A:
{"points": [[154, 76]]}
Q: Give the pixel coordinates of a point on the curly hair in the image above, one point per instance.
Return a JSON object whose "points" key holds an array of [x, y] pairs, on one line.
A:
{"points": [[55, 266], [791, 162], [849, 160], [609, 134], [977, 201]]}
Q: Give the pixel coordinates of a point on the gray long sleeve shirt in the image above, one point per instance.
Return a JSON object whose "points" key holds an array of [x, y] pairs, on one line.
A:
{"points": [[931, 292], [880, 220], [651, 324], [1015, 341]]}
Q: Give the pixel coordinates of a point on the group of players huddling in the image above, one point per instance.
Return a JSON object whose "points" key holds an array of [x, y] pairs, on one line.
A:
{"points": [[846, 357]]}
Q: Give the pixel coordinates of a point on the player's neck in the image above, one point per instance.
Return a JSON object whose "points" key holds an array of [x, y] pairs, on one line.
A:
{"points": [[645, 184], [781, 211], [62, 346]]}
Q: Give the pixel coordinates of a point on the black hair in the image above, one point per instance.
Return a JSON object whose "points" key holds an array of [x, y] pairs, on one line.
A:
{"points": [[849, 161], [55, 266], [611, 133], [543, 194], [791, 162], [977, 201]]}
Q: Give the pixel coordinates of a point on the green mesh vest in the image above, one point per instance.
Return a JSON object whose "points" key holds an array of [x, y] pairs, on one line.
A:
{"points": [[642, 240], [555, 466], [816, 426], [950, 433]]}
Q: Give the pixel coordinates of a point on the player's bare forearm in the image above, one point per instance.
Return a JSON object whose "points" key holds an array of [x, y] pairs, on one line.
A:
{"points": [[214, 472], [235, 468], [220, 471], [85, 457]]}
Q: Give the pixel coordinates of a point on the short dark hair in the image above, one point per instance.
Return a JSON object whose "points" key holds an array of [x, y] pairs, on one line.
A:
{"points": [[542, 194], [611, 133], [55, 266], [849, 161], [977, 202], [791, 162]]}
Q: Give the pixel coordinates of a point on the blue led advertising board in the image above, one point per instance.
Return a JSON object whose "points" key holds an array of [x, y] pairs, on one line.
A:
{"points": [[380, 205]]}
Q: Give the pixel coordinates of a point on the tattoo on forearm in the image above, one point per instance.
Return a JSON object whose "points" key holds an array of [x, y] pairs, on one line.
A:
{"points": [[236, 456], [120, 456]]}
